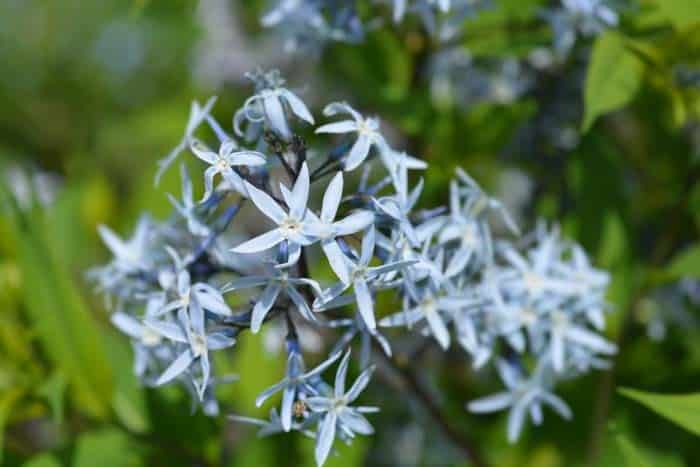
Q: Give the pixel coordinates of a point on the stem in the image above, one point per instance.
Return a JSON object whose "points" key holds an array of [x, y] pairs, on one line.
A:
{"points": [[607, 384], [411, 382]]}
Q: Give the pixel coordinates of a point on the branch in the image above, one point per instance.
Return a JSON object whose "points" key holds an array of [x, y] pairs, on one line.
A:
{"points": [[411, 382]]}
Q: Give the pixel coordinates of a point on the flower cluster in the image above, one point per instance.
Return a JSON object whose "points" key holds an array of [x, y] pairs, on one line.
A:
{"points": [[531, 303]]}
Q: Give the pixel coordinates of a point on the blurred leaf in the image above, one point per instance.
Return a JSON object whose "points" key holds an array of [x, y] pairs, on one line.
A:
{"points": [[633, 458], [105, 448], [682, 409], [614, 77], [7, 402], [68, 334], [54, 391], [42, 460], [682, 13], [128, 401], [686, 263]]}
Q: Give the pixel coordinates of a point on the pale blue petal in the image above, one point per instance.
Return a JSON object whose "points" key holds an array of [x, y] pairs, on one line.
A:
{"points": [[341, 375], [168, 330], [331, 198], [176, 368], [263, 306], [365, 304], [345, 126], [260, 243], [492, 403], [266, 204], [355, 222], [358, 152], [325, 437], [298, 107], [359, 385]]}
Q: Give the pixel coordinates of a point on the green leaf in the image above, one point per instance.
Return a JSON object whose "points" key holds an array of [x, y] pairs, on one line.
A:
{"points": [[129, 399], [686, 263], [106, 448], [7, 402], [682, 409], [67, 331], [682, 13], [42, 460], [54, 390], [614, 77], [633, 457]]}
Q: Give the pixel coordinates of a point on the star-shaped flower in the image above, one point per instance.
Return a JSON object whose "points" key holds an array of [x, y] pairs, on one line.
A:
{"points": [[276, 282], [337, 412], [290, 224], [224, 162], [327, 229]]}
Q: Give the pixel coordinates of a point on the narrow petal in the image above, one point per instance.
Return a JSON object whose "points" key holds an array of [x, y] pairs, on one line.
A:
{"points": [[127, 324], [247, 158], [286, 410], [336, 259], [176, 368], [355, 421], [331, 198], [300, 193], [245, 283], [266, 204], [202, 152], [321, 367], [365, 304], [219, 340], [267, 393], [492, 403], [516, 419], [263, 305], [340, 376], [260, 243], [355, 222], [438, 328], [113, 242], [275, 116], [325, 437], [557, 349], [345, 126], [591, 340], [298, 107], [368, 242], [209, 182], [358, 152], [359, 385], [168, 330]]}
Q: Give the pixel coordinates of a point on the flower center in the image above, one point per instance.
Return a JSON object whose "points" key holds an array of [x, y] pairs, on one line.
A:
{"points": [[199, 344], [150, 338], [290, 226], [534, 283]]}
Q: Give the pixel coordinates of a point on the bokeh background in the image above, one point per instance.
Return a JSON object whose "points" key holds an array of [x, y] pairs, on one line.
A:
{"points": [[92, 94]]}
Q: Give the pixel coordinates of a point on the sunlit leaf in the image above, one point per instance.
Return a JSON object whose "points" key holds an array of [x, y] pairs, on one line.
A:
{"points": [[613, 79], [682, 409]]}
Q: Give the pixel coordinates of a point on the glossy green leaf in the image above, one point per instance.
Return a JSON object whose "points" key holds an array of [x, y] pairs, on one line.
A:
{"points": [[682, 409], [613, 79]]}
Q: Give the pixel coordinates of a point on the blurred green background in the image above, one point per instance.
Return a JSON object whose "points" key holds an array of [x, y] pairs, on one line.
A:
{"points": [[93, 93]]}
